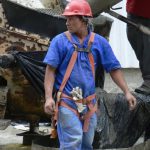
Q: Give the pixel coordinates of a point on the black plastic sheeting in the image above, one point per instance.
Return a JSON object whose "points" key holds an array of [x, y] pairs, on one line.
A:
{"points": [[33, 68], [46, 22], [118, 127], [34, 21]]}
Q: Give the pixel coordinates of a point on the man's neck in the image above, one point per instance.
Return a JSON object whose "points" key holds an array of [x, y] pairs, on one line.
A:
{"points": [[81, 35]]}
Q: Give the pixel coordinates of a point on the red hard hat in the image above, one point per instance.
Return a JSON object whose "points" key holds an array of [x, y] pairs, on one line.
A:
{"points": [[78, 7]]}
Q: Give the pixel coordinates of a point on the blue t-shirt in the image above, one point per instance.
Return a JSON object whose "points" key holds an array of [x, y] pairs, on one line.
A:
{"points": [[60, 52]]}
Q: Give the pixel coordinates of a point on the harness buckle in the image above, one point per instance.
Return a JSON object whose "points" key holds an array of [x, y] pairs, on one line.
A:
{"points": [[59, 96], [87, 50], [84, 102]]}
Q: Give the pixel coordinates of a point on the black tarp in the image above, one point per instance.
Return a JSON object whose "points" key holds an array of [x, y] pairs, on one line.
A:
{"points": [[47, 23], [117, 125], [31, 20], [33, 68]]}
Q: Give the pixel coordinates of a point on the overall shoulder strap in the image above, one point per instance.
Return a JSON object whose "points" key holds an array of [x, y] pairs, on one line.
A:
{"points": [[70, 65], [90, 55], [90, 42], [91, 39], [69, 37]]}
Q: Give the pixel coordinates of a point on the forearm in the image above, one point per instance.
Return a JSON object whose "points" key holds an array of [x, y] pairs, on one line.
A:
{"points": [[49, 81], [118, 78]]}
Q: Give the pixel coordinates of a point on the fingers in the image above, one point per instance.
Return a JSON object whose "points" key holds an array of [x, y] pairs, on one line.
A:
{"points": [[49, 108], [131, 100], [132, 103]]}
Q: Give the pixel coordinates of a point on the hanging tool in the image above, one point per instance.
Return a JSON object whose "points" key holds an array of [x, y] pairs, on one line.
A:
{"points": [[77, 96]]}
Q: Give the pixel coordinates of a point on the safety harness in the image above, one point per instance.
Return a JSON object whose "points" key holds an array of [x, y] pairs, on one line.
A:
{"points": [[87, 100]]}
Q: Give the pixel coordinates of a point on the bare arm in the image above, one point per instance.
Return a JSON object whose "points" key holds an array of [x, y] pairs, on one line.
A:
{"points": [[118, 78], [48, 85]]}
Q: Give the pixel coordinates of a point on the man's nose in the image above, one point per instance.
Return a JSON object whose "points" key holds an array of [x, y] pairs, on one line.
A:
{"points": [[67, 22]]}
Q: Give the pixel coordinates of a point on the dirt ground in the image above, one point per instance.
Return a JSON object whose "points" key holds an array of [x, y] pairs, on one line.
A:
{"points": [[10, 141], [8, 136]]}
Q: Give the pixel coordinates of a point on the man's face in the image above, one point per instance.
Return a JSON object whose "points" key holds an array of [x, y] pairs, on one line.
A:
{"points": [[74, 24]]}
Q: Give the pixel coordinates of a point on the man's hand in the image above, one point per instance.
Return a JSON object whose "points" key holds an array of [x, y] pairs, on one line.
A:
{"points": [[49, 106], [131, 100]]}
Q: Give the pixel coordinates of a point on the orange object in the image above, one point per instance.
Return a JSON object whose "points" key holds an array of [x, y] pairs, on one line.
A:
{"points": [[53, 133]]}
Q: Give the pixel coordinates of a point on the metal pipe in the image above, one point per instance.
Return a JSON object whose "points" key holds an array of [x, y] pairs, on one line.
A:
{"points": [[140, 27]]}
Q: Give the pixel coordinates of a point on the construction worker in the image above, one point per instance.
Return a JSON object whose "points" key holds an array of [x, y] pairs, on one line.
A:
{"points": [[139, 12], [71, 62]]}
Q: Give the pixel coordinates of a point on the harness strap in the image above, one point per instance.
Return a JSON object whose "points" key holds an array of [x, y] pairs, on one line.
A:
{"points": [[89, 113], [87, 100], [91, 59], [62, 103], [91, 39], [90, 42], [69, 70], [88, 116], [73, 60]]}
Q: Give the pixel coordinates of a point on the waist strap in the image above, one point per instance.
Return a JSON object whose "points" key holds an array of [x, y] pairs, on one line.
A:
{"points": [[86, 117]]}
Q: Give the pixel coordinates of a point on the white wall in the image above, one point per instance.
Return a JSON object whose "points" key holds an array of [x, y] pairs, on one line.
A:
{"points": [[119, 41]]}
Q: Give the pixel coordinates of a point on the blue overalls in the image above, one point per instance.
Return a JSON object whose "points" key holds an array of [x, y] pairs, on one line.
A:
{"points": [[69, 125]]}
